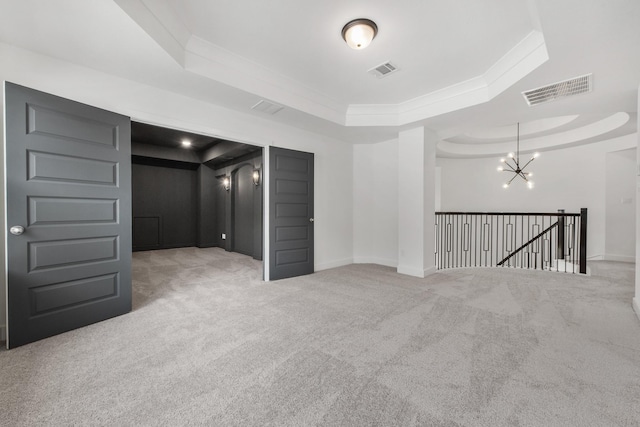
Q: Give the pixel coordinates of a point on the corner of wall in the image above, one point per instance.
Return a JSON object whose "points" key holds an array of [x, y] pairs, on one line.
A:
{"points": [[333, 264], [636, 299], [618, 258], [376, 260], [411, 271]]}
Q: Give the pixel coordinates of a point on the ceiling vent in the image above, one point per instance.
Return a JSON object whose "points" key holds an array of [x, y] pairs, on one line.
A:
{"points": [[558, 90], [383, 70], [267, 107]]}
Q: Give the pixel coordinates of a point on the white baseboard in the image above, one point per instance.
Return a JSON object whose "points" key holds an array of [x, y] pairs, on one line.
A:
{"points": [[416, 272], [430, 270], [410, 271], [636, 306], [620, 258], [333, 264], [374, 260]]}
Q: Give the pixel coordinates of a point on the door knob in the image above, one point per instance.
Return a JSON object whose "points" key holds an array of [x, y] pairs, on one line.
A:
{"points": [[16, 230], [310, 219]]}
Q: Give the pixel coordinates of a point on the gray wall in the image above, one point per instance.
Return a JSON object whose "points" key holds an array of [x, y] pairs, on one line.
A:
{"points": [[164, 203], [207, 229], [179, 202], [239, 210]]}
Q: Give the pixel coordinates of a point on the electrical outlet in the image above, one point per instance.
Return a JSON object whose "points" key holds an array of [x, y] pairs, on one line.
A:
{"points": [[224, 236]]}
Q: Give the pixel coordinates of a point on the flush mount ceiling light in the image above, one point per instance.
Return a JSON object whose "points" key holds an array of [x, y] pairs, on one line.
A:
{"points": [[359, 33], [512, 164]]}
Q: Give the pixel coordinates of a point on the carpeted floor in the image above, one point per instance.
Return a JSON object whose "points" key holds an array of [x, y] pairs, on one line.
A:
{"points": [[208, 343]]}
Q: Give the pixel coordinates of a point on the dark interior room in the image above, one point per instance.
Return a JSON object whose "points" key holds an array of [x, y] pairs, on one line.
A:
{"points": [[191, 190]]}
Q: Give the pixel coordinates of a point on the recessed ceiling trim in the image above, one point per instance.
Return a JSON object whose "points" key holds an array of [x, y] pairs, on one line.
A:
{"points": [[538, 126], [588, 133], [211, 61], [521, 60], [160, 23]]}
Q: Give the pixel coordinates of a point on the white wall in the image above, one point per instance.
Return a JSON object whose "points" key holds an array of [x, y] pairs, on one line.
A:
{"points": [[596, 176], [375, 203], [620, 208], [636, 299], [333, 158], [569, 179], [416, 201], [3, 294]]}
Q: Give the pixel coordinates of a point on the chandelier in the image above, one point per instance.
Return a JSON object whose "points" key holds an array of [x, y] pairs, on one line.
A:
{"points": [[512, 165]]}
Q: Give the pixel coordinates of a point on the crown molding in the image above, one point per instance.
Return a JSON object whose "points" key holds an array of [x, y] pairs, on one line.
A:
{"points": [[202, 57], [160, 23], [522, 59], [214, 62], [591, 132]]}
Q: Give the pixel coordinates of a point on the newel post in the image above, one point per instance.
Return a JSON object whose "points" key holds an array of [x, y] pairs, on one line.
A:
{"points": [[560, 231], [583, 240]]}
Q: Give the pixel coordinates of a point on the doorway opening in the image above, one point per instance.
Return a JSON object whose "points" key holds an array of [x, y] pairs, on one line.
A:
{"points": [[69, 251], [191, 190]]}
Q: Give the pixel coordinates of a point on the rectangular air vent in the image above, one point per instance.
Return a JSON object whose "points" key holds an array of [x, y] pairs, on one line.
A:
{"points": [[267, 107], [383, 70], [558, 90]]}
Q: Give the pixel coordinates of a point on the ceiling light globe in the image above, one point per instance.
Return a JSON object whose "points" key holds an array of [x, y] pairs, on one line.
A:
{"points": [[500, 169], [536, 155], [359, 33], [505, 185]]}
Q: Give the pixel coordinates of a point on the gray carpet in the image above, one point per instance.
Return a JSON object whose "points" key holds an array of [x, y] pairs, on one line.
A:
{"points": [[208, 343]]}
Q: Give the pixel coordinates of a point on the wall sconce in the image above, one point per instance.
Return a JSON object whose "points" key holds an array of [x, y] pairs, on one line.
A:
{"points": [[226, 183], [256, 177]]}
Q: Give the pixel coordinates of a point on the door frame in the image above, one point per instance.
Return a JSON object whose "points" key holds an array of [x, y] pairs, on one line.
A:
{"points": [[266, 178]]}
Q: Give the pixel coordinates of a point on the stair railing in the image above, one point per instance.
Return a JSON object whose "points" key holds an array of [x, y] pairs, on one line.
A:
{"points": [[548, 241]]}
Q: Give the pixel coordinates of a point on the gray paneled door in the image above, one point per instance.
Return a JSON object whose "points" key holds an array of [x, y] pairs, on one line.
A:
{"points": [[290, 213], [68, 212]]}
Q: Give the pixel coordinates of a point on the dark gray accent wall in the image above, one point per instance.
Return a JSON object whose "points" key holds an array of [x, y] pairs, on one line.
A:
{"points": [[178, 201], [159, 152], [221, 213], [242, 210], [239, 210], [206, 215], [164, 203]]}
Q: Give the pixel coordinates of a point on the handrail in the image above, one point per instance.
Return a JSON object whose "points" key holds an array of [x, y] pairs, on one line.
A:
{"points": [[489, 239], [555, 224], [512, 213]]}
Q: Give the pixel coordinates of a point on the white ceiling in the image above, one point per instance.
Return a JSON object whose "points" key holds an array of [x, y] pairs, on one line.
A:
{"points": [[463, 63]]}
